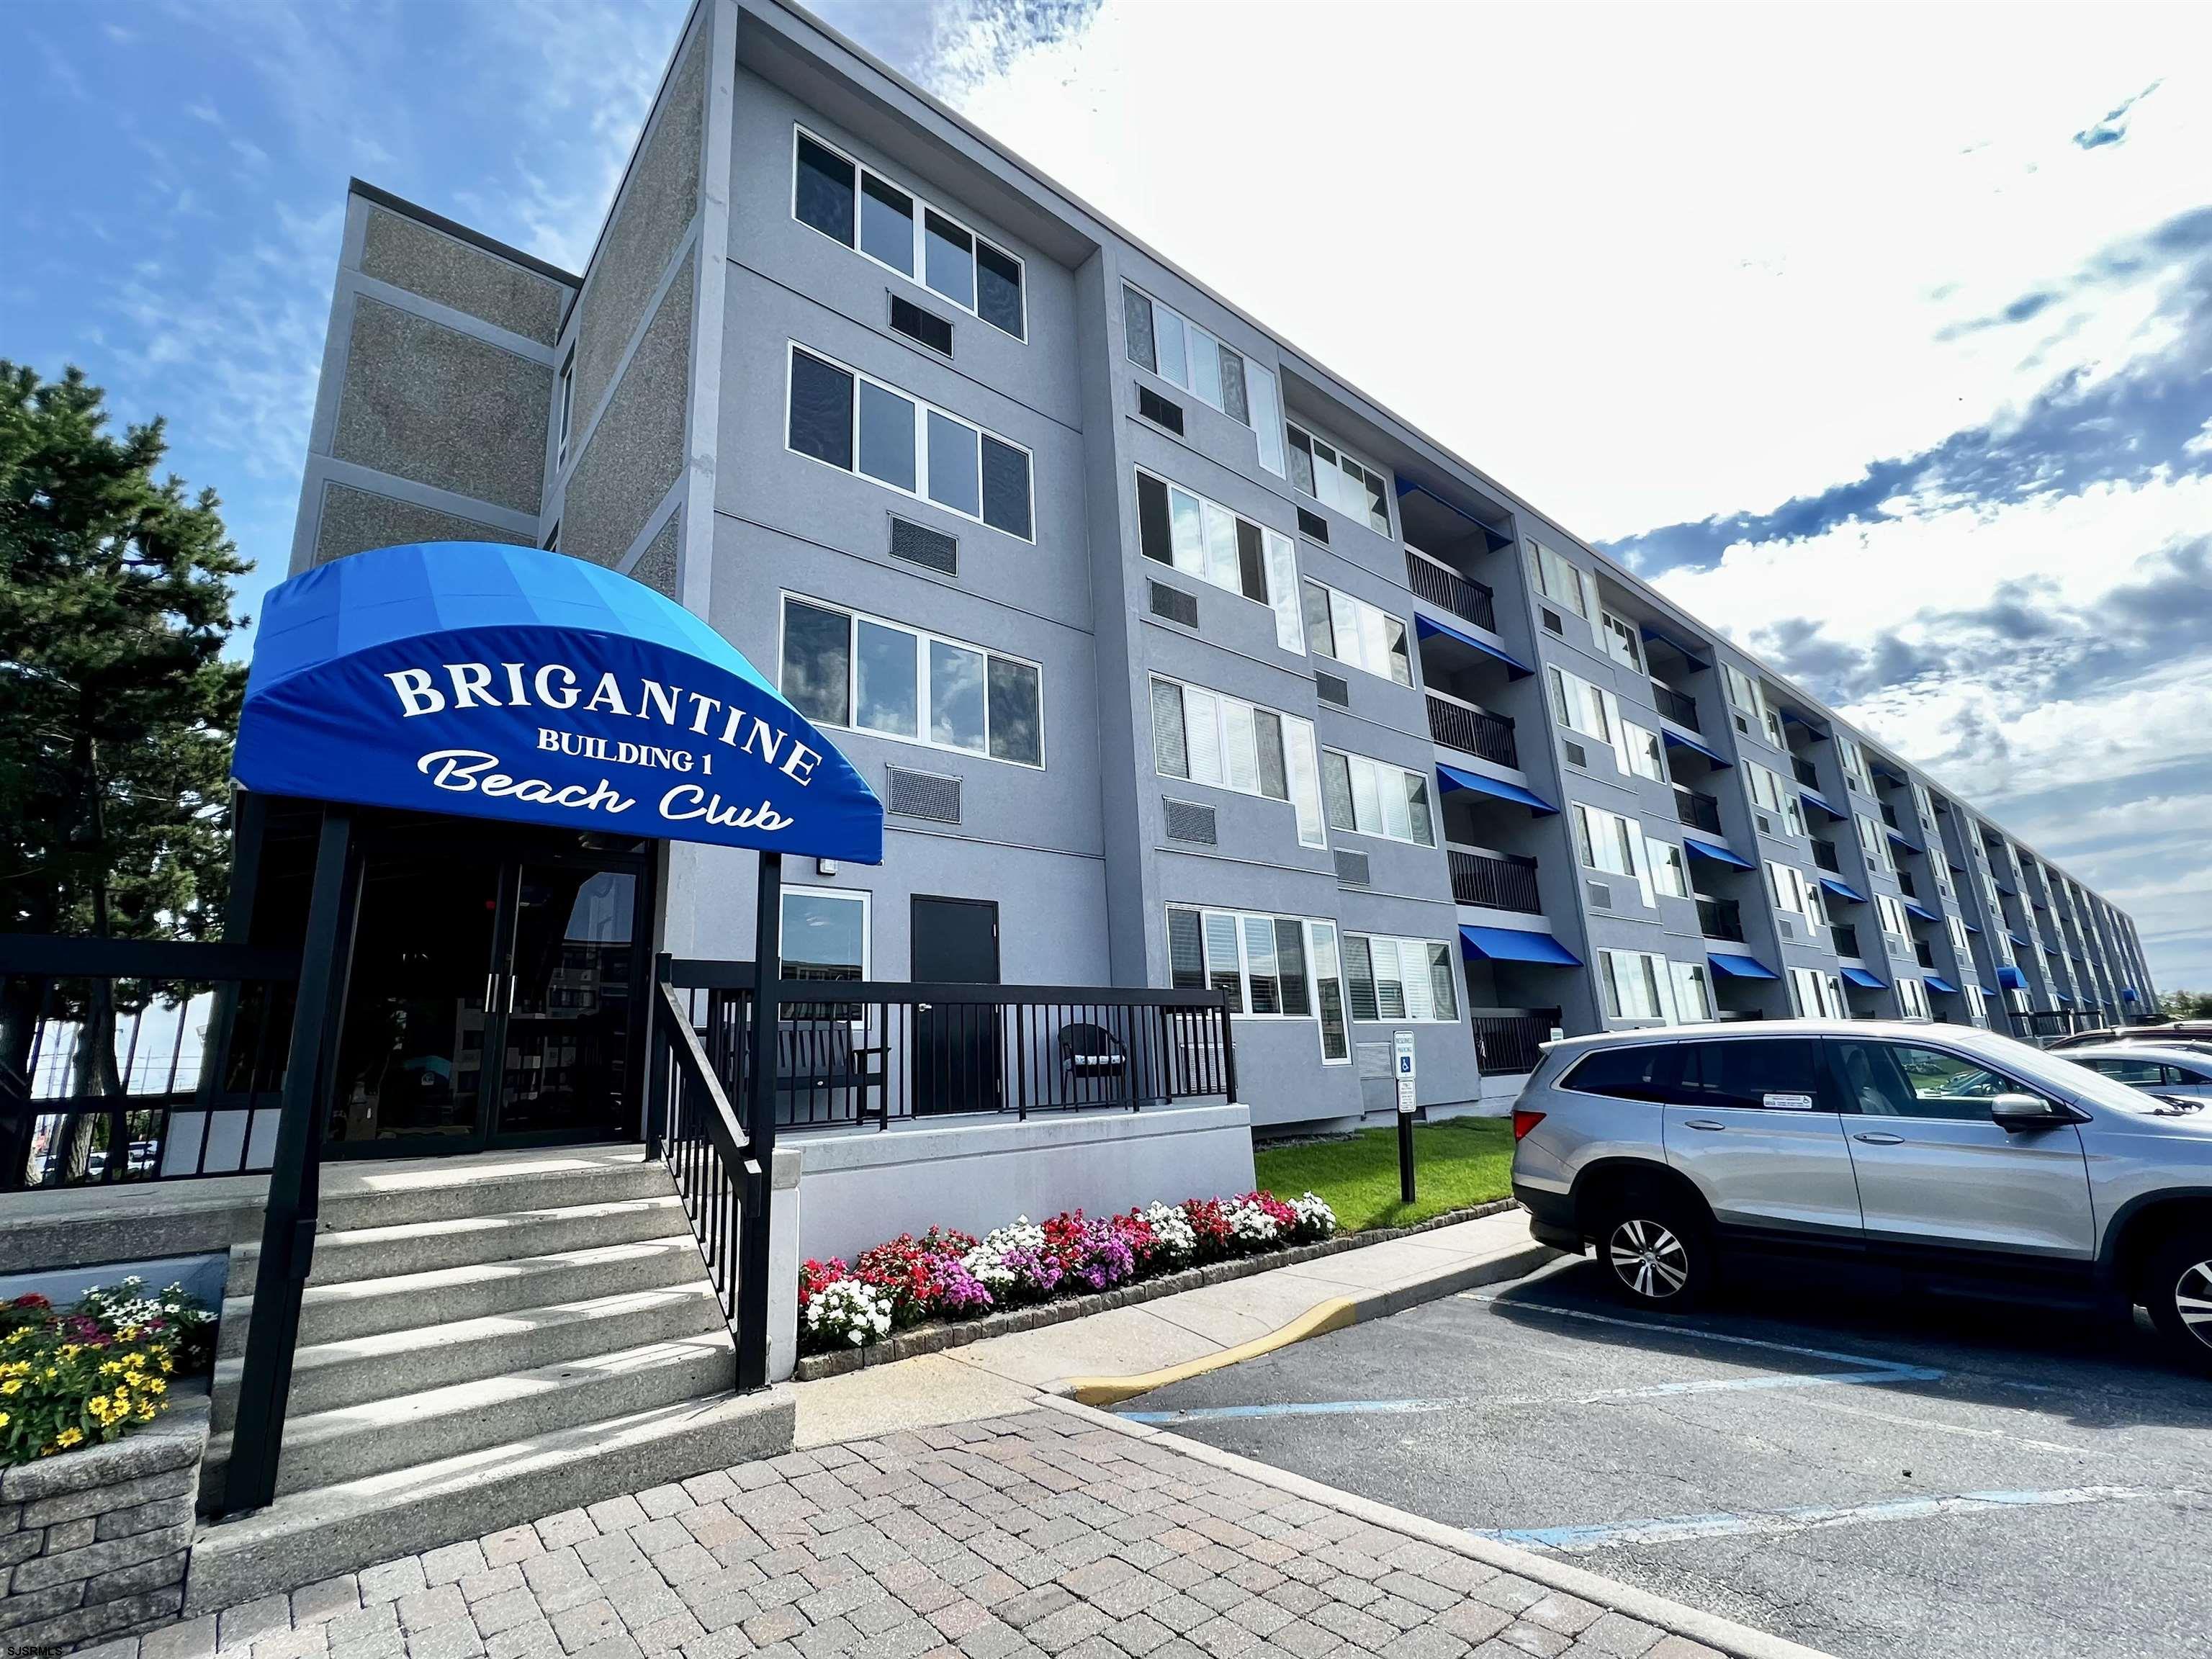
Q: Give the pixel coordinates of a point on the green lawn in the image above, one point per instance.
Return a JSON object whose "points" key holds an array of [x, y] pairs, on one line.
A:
{"points": [[1463, 1161]]}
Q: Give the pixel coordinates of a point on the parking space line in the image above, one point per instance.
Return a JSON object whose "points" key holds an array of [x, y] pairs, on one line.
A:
{"points": [[1670, 1529], [1693, 1332]]}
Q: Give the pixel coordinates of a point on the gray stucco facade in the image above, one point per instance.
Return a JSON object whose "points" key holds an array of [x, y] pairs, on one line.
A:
{"points": [[1355, 791]]}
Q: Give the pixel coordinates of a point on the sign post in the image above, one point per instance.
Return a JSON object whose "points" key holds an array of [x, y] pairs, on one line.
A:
{"points": [[1403, 1070]]}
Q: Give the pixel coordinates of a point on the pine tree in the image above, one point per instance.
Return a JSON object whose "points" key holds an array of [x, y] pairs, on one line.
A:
{"points": [[117, 709]]}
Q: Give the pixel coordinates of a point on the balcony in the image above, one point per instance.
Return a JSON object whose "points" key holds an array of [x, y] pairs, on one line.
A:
{"points": [[1444, 587], [1506, 1039], [1806, 772], [1889, 816], [1824, 854], [1683, 710], [1847, 939], [1720, 919], [1472, 731], [1496, 881], [1904, 881], [1924, 952], [1698, 811]]}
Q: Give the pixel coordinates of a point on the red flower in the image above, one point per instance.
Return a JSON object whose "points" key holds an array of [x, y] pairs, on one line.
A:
{"points": [[813, 1275], [1210, 1225], [906, 1273]]}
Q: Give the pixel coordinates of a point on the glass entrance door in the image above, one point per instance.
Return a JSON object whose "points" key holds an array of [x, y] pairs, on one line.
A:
{"points": [[567, 994]]}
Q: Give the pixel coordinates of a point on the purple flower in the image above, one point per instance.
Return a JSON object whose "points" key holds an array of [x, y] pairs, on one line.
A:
{"points": [[960, 1293]]}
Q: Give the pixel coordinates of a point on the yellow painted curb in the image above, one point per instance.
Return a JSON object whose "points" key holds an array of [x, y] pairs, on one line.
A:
{"points": [[1333, 1315]]}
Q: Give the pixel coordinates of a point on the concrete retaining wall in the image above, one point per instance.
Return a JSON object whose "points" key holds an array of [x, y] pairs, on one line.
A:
{"points": [[860, 1187]]}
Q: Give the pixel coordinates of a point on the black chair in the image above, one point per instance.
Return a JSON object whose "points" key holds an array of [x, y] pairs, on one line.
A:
{"points": [[1090, 1054]]}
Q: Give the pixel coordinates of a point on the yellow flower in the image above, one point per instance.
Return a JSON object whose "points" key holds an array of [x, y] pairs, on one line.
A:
{"points": [[13, 1385], [5, 1420], [68, 1436], [155, 1385]]}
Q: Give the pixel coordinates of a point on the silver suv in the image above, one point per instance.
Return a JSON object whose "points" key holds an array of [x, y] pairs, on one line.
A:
{"points": [[1967, 1161]]}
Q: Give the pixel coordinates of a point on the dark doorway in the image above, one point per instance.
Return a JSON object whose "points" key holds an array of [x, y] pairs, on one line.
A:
{"points": [[959, 1047]]}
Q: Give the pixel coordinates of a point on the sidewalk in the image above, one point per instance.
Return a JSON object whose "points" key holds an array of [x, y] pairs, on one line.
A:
{"points": [[1112, 1356]]}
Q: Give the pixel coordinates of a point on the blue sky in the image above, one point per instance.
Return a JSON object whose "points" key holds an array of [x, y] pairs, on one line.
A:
{"points": [[1880, 338]]}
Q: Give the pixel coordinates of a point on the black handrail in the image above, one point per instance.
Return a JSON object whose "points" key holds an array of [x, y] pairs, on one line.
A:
{"points": [[1472, 730], [1450, 591], [1497, 883], [1677, 708], [1721, 919], [1698, 811], [1508, 1042]]}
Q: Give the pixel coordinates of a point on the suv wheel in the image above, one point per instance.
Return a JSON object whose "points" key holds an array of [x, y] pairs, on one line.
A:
{"points": [[1655, 1252], [2177, 1290]]}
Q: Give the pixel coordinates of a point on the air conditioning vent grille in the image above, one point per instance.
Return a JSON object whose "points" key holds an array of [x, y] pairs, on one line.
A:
{"points": [[1765, 825], [1175, 605], [926, 327], [1600, 896], [923, 795], [917, 543], [1352, 867], [1158, 410], [1189, 821], [1577, 755], [1332, 688], [1552, 620], [1313, 525]]}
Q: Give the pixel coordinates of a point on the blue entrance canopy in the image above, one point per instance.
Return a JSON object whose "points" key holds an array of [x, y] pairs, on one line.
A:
{"points": [[1842, 891], [1676, 740], [1516, 944], [1453, 777], [1428, 627], [1719, 853], [510, 683], [1821, 801], [1863, 980], [1738, 967], [1914, 907], [2010, 978], [1937, 982]]}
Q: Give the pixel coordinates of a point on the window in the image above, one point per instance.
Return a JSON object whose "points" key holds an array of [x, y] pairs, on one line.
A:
{"points": [[1621, 642], [1640, 752], [843, 668], [1693, 992], [1960, 943], [1606, 840], [1892, 922], [1558, 578], [1373, 798], [2141, 1073], [1330, 476], [1902, 1079], [1854, 772], [1636, 985], [1158, 338], [1875, 845], [1769, 1073], [1794, 894], [568, 404], [1744, 694], [1230, 743], [1669, 874], [1580, 706], [1284, 967], [1817, 995], [1914, 996], [849, 421], [823, 935], [1401, 979], [1629, 1073], [887, 223], [1202, 538], [1355, 633]]}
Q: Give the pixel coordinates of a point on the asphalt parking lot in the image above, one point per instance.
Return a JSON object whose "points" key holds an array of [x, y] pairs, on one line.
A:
{"points": [[1877, 1479]]}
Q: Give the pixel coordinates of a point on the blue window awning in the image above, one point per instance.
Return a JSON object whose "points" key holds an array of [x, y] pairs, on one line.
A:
{"points": [[1430, 628], [1821, 802], [2063, 997], [2016, 938], [1914, 907], [1806, 721], [1700, 847], [2002, 887], [2128, 994], [1987, 990], [510, 683], [1694, 653], [1408, 487], [1736, 967], [1516, 945], [1842, 889], [1937, 982], [1957, 869], [1907, 845], [1884, 770], [1863, 980], [1453, 777], [2009, 977], [1969, 925], [1676, 740]]}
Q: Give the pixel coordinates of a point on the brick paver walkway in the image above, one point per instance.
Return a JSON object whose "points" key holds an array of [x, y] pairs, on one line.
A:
{"points": [[1033, 1534]]}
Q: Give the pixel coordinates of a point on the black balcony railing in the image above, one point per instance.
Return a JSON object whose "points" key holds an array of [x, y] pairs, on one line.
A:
{"points": [[1507, 1040], [1806, 772], [1847, 939], [1698, 812], [1824, 854], [1438, 585], [1495, 880], [1472, 730], [1683, 710], [1721, 919]]}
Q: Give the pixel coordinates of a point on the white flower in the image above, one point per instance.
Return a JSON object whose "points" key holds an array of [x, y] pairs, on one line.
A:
{"points": [[1315, 1219], [1173, 1237], [846, 1310]]}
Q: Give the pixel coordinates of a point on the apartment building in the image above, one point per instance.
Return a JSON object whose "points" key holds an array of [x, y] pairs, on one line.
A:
{"points": [[1175, 659]]}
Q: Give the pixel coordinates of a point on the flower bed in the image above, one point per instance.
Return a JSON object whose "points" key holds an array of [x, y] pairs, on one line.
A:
{"points": [[952, 1276], [97, 1371]]}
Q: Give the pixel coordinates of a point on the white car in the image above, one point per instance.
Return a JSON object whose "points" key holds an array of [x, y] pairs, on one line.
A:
{"points": [[2168, 1069]]}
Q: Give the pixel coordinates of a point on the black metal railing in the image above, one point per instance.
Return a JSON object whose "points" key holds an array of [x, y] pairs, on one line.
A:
{"points": [[1847, 939], [863, 1052], [1501, 881], [712, 1158], [1439, 585], [1677, 708], [1698, 811], [1720, 919], [1472, 731], [1806, 772], [131, 1059], [1508, 1041], [1824, 854]]}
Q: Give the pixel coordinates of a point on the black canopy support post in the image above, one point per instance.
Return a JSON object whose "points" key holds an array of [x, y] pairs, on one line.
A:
{"points": [[753, 1245], [657, 1079], [249, 817], [288, 1229]]}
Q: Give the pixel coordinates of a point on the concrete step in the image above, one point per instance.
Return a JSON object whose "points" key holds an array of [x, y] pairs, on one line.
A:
{"points": [[466, 1241], [369, 1307], [350, 1442], [328, 1376], [317, 1534], [402, 1192]]}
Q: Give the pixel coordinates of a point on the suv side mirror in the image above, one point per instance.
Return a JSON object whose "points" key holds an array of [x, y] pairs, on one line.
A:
{"points": [[2017, 1113]]}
